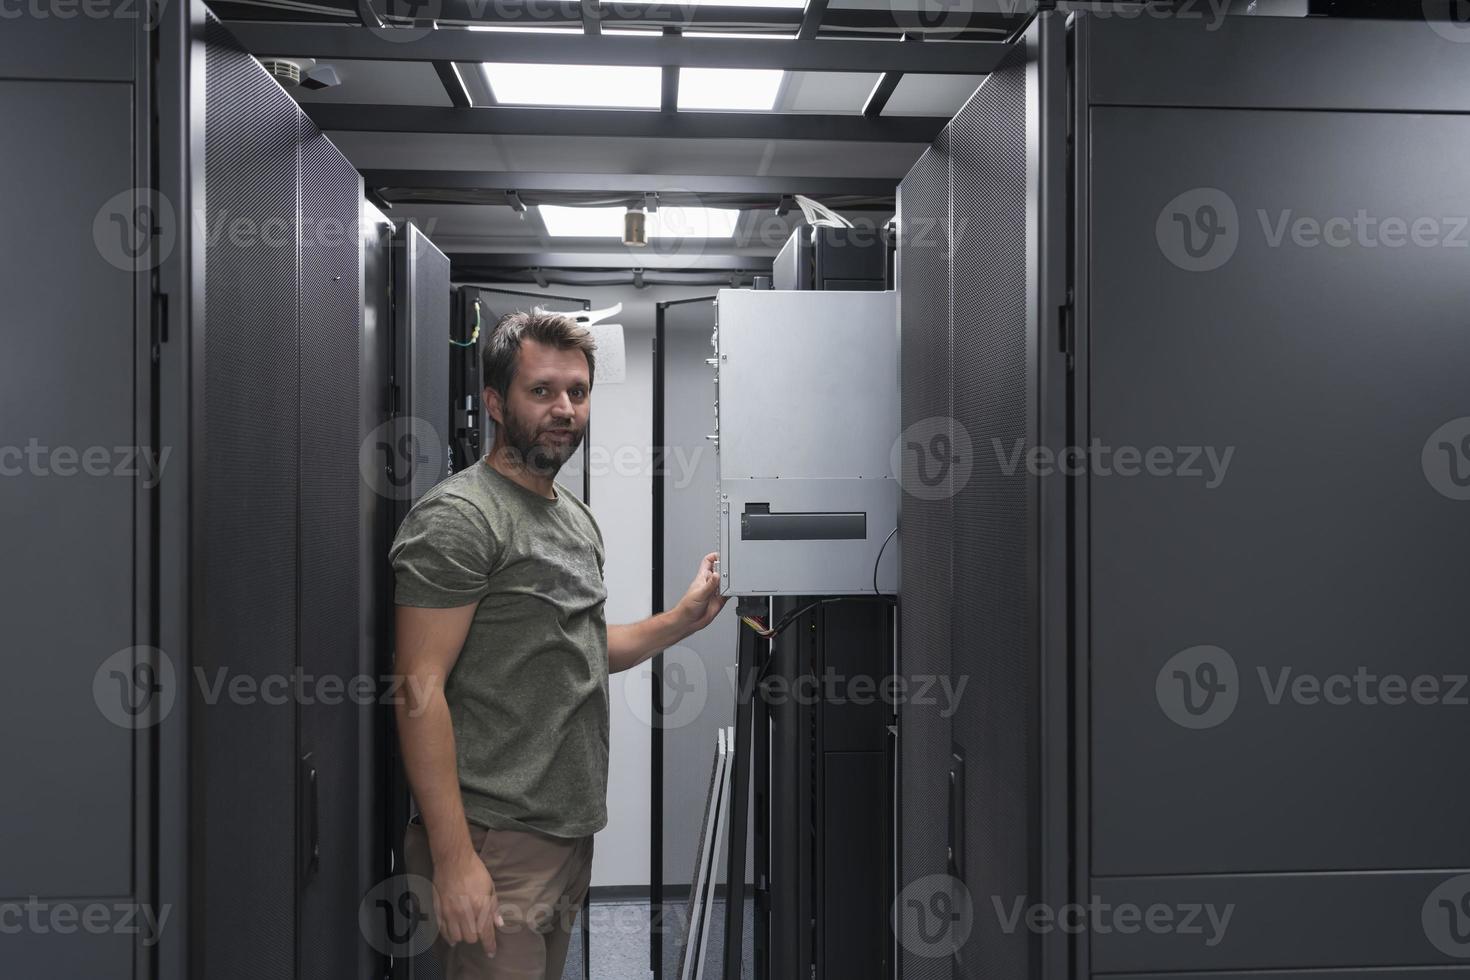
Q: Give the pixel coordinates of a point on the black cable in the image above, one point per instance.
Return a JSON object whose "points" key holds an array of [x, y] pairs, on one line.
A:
{"points": [[880, 558]]}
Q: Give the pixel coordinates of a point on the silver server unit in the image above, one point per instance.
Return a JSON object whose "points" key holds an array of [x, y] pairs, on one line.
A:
{"points": [[806, 423]]}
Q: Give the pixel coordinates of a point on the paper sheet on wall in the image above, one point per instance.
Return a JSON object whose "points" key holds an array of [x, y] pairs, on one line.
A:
{"points": [[612, 362]]}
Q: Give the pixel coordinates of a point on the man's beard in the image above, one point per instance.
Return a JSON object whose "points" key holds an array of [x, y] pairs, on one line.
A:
{"points": [[542, 458]]}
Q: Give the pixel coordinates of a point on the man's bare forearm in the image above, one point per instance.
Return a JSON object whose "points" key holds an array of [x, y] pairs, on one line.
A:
{"points": [[630, 644], [427, 736]]}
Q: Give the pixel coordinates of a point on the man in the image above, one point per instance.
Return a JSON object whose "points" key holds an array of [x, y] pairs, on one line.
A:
{"points": [[503, 645]]}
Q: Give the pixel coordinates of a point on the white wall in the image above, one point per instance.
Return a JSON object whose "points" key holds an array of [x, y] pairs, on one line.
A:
{"points": [[622, 501]]}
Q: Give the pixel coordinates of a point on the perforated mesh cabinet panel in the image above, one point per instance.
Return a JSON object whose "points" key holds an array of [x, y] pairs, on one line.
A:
{"points": [[244, 755], [331, 944], [925, 517], [994, 631]]}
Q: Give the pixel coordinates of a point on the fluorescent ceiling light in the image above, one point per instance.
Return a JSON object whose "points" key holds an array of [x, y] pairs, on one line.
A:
{"points": [[751, 37], [666, 222], [565, 222], [798, 4], [749, 89], [565, 29], [586, 86]]}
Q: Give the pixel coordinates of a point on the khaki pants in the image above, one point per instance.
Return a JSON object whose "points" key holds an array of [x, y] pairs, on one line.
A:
{"points": [[540, 881]]}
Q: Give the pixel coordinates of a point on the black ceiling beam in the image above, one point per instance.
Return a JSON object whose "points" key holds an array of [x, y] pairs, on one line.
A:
{"points": [[668, 186], [333, 41], [592, 17], [471, 264], [698, 16], [454, 87], [811, 19], [842, 21], [883, 90], [669, 94], [506, 120]]}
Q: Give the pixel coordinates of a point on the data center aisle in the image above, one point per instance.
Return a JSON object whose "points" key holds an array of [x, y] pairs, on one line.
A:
{"points": [[620, 940]]}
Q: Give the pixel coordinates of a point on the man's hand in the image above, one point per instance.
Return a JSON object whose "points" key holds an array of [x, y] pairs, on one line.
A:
{"points": [[465, 902], [630, 645], [701, 604]]}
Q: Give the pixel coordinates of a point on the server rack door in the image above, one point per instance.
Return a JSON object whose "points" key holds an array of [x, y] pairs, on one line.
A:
{"points": [[334, 844], [246, 565], [378, 759], [75, 713], [421, 369], [692, 698], [1278, 313], [925, 518], [984, 770]]}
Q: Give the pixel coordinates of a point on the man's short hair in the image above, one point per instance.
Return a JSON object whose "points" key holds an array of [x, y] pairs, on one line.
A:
{"points": [[501, 352]]}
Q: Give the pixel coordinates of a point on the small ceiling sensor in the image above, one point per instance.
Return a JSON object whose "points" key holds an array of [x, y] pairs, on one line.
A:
{"points": [[322, 76]]}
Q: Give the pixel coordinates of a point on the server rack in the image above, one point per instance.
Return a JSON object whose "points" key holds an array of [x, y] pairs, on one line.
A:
{"points": [[822, 770], [1053, 297], [823, 257], [465, 406], [270, 374]]}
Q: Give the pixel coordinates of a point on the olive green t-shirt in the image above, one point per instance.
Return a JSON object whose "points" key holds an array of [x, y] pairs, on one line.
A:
{"points": [[528, 695]]}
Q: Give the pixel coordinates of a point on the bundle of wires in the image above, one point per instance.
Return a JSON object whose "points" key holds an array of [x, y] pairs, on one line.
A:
{"points": [[474, 336], [771, 632], [755, 623]]}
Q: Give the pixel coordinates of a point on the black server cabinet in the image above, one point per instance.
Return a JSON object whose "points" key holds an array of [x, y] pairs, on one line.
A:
{"points": [[1136, 242], [822, 787], [823, 766], [79, 468], [268, 824], [821, 257], [980, 274]]}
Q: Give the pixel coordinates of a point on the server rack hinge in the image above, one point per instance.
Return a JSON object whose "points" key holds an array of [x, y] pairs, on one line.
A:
{"points": [[159, 326], [1067, 330]]}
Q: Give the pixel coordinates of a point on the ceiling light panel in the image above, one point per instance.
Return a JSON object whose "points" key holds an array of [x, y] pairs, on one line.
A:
{"points": [[567, 222], [666, 222], [578, 86], [744, 89]]}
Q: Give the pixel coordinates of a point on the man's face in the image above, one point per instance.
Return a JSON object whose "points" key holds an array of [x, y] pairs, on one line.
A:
{"points": [[545, 416]]}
